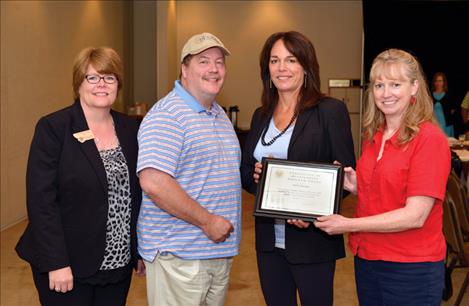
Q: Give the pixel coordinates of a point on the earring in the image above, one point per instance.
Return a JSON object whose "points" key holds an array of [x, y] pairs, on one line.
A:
{"points": [[306, 79], [413, 100], [270, 83]]}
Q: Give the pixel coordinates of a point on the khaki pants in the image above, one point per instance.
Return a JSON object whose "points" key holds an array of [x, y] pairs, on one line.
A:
{"points": [[172, 281]]}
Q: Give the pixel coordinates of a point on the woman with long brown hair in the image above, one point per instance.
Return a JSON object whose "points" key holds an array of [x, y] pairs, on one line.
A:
{"points": [[298, 123]]}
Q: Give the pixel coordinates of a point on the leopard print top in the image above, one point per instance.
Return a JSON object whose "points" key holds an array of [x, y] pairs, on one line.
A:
{"points": [[117, 252]]}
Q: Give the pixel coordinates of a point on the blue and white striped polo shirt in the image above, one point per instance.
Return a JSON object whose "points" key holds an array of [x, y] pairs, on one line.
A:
{"points": [[199, 148]]}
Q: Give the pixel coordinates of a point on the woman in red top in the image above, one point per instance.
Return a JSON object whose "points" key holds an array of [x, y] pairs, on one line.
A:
{"points": [[396, 234]]}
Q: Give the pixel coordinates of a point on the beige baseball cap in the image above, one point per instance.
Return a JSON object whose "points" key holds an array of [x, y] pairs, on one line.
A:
{"points": [[202, 42]]}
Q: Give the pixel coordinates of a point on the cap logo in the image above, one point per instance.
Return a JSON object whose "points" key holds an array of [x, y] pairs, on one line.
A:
{"points": [[202, 38]]}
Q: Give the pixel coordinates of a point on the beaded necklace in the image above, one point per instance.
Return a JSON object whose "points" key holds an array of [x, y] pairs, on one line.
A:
{"points": [[264, 143]]}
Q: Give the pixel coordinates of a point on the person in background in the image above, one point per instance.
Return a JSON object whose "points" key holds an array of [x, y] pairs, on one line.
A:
{"points": [[465, 111], [445, 108], [298, 123], [396, 234], [83, 195], [189, 228]]}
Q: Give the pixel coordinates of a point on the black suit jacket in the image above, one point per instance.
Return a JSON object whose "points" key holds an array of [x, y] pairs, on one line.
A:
{"points": [[67, 193], [452, 112], [321, 134]]}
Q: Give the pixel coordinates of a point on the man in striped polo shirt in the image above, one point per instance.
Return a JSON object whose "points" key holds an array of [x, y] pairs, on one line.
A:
{"points": [[189, 226]]}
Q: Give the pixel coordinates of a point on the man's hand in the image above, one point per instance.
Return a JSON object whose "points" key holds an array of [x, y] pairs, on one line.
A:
{"points": [[217, 228]]}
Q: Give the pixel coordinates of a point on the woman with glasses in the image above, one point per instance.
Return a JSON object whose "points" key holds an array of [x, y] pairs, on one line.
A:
{"points": [[83, 195]]}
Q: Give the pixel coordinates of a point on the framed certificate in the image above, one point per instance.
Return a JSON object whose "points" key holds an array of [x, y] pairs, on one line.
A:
{"points": [[298, 190]]}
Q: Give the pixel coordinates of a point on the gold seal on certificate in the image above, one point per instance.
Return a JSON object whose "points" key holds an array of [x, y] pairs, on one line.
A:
{"points": [[298, 190]]}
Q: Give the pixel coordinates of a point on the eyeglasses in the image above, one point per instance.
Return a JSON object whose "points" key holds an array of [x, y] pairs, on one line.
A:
{"points": [[94, 79]]}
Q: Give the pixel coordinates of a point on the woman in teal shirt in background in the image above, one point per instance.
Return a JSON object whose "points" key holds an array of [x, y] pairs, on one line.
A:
{"points": [[444, 106]]}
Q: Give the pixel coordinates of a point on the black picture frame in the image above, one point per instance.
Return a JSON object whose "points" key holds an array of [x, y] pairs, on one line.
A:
{"points": [[286, 188]]}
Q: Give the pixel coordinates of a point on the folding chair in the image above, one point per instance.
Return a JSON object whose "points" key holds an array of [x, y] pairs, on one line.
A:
{"points": [[459, 196], [456, 257]]}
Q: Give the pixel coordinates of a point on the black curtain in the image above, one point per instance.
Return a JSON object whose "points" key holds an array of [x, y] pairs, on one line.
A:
{"points": [[436, 32]]}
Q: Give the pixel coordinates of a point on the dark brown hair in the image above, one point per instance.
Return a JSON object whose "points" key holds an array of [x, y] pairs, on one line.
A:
{"points": [[445, 81], [104, 60], [302, 48]]}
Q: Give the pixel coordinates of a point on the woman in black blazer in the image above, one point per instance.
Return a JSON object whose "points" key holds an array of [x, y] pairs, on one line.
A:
{"points": [[83, 195], [296, 122]]}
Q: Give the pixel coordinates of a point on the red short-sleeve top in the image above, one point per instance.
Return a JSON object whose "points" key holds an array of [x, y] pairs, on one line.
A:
{"points": [[418, 168]]}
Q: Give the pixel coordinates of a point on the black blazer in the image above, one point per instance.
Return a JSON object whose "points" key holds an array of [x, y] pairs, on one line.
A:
{"points": [[451, 109], [452, 112], [321, 134], [67, 194]]}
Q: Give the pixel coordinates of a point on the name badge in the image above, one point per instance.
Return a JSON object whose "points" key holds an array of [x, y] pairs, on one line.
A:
{"points": [[84, 136]]}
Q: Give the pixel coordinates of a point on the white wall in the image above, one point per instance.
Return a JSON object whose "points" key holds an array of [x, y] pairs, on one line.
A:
{"points": [[167, 65], [144, 52], [334, 27], [39, 41]]}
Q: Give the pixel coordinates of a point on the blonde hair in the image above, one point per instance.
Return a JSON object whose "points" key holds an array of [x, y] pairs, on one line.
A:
{"points": [[398, 64], [103, 59]]}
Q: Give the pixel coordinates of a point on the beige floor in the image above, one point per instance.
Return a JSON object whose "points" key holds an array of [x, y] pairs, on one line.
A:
{"points": [[17, 288]]}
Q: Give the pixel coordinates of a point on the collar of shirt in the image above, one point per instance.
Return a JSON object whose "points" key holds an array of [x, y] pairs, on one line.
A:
{"points": [[438, 95], [192, 102], [378, 138]]}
